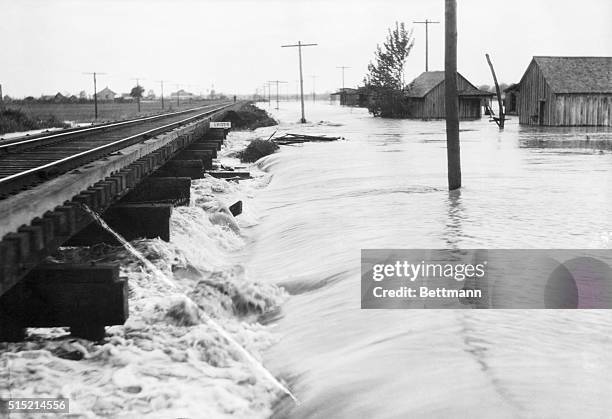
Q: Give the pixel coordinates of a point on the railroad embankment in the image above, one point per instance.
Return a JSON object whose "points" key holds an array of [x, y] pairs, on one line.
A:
{"points": [[250, 117]]}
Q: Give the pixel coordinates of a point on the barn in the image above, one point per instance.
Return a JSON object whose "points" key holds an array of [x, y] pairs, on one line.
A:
{"points": [[566, 91], [425, 96]]}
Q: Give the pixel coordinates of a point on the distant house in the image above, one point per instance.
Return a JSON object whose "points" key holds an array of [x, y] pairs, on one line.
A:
{"points": [[182, 94], [350, 97], [566, 91], [106, 94], [125, 97], [425, 96], [57, 98], [511, 99]]}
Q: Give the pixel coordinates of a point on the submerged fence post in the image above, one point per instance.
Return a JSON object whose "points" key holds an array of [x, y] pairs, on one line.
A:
{"points": [[453, 151]]}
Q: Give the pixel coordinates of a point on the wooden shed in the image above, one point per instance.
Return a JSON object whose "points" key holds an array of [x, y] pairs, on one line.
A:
{"points": [[511, 99], [425, 96], [566, 91]]}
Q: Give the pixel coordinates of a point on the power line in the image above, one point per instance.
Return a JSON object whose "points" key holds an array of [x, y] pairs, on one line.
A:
{"points": [[299, 46], [427, 22]]}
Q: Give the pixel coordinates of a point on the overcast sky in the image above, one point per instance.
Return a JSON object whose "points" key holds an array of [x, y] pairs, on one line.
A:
{"points": [[235, 44]]}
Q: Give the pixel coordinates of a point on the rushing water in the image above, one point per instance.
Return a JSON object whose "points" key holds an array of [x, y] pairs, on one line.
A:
{"points": [[385, 187], [308, 212]]}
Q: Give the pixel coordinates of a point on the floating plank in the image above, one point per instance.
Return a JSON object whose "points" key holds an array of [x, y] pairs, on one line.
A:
{"points": [[224, 174]]}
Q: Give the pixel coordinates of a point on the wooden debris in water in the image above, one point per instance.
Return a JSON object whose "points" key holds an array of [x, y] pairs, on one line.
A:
{"points": [[302, 138]]}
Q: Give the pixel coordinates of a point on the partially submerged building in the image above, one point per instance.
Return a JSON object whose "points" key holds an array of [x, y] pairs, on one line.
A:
{"points": [[425, 96], [511, 99], [566, 91], [350, 97]]}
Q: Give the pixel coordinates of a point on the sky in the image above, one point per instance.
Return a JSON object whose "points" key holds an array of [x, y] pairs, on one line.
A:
{"points": [[235, 45]]}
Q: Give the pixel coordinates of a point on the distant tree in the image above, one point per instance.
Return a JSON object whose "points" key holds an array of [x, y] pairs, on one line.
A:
{"points": [[388, 69], [484, 87], [385, 79], [137, 92], [82, 94]]}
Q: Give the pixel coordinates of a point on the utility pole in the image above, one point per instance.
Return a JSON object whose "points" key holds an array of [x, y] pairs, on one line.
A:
{"points": [[343, 68], [1, 100], [299, 45], [162, 92], [342, 94], [269, 88], [95, 93], [139, 92], [277, 83], [453, 149], [427, 22], [178, 96], [314, 94]]}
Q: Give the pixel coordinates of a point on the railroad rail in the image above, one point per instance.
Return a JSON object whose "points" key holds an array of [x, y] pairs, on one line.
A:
{"points": [[28, 162]]}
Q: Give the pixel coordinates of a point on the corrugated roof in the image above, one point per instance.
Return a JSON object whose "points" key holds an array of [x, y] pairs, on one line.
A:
{"points": [[577, 74], [430, 79]]}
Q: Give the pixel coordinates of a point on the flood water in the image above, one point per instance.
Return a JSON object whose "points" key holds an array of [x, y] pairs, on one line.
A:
{"points": [[385, 187]]}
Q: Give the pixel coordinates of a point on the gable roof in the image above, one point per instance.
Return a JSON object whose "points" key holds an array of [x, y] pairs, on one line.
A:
{"points": [[107, 91], [428, 80], [577, 74]]}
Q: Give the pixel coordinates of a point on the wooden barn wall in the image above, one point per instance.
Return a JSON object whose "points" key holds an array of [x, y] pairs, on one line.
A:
{"points": [[432, 106], [533, 89], [582, 109]]}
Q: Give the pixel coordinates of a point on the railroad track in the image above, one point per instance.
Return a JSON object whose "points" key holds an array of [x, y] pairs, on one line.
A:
{"points": [[28, 162]]}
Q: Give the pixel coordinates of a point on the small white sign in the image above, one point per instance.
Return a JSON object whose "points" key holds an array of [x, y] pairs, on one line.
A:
{"points": [[220, 124]]}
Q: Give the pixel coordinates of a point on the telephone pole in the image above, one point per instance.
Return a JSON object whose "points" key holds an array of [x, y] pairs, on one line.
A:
{"points": [[314, 94], [277, 83], [343, 68], [162, 92], [427, 22], [1, 99], [178, 96], [95, 93], [269, 88], [139, 92], [453, 150], [299, 46]]}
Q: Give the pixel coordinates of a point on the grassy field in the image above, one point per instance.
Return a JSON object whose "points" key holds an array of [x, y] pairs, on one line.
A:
{"points": [[107, 111]]}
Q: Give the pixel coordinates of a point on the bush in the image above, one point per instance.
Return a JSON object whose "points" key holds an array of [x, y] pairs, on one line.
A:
{"points": [[388, 103], [13, 120], [256, 150]]}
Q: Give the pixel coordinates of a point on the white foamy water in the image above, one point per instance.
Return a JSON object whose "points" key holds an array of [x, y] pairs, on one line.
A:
{"points": [[191, 347], [385, 187]]}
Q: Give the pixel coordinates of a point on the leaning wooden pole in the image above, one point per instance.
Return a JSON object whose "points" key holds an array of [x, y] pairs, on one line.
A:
{"points": [[502, 115], [453, 150]]}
